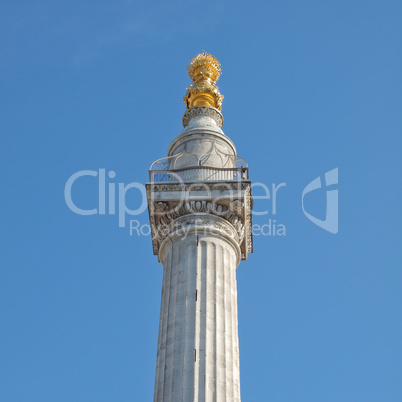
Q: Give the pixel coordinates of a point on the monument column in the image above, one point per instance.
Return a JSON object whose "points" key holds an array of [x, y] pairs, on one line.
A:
{"points": [[200, 212]]}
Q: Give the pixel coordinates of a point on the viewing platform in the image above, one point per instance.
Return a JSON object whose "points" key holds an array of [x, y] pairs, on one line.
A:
{"points": [[161, 171]]}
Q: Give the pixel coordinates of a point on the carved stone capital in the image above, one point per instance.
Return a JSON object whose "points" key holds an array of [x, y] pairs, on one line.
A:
{"points": [[172, 206], [165, 221]]}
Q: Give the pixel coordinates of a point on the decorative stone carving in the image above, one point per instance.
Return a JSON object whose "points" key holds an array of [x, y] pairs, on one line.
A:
{"points": [[168, 202], [236, 205], [211, 154], [249, 228], [163, 220], [161, 206], [203, 111]]}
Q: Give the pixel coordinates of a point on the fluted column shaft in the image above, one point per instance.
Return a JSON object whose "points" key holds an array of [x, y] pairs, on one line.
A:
{"points": [[198, 349]]}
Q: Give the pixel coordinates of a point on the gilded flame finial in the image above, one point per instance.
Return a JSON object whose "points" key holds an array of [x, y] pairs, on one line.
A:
{"points": [[204, 70]]}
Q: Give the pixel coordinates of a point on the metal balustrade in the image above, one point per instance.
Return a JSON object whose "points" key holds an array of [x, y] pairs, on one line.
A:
{"points": [[199, 173]]}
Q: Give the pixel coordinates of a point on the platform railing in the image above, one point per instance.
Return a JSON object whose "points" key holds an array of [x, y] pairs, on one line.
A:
{"points": [[199, 173]]}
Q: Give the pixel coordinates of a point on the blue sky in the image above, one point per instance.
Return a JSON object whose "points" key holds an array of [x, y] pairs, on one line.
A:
{"points": [[309, 86]]}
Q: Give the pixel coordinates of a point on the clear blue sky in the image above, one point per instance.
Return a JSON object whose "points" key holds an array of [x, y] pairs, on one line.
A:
{"points": [[309, 86]]}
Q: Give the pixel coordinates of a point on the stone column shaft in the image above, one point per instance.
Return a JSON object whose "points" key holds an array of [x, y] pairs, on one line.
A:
{"points": [[198, 351]]}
